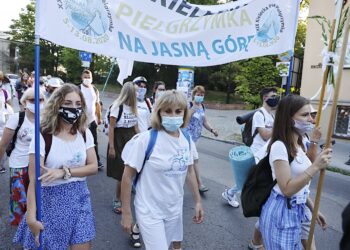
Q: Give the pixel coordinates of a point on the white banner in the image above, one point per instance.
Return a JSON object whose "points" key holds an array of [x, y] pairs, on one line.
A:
{"points": [[171, 31]]}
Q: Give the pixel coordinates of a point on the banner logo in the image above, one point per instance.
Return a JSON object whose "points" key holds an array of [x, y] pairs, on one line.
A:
{"points": [[89, 20], [269, 24]]}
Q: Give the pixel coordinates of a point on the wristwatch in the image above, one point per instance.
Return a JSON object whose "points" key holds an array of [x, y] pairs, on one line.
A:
{"points": [[67, 173]]}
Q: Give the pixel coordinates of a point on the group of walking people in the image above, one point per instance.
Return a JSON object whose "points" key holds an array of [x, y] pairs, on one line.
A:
{"points": [[148, 135], [151, 153]]}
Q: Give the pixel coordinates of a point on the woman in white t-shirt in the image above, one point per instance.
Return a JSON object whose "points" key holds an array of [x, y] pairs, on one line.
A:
{"points": [[159, 189], [18, 158], [284, 211], [67, 156], [122, 127]]}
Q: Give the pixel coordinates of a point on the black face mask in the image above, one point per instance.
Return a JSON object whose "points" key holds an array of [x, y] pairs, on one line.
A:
{"points": [[273, 102], [70, 115]]}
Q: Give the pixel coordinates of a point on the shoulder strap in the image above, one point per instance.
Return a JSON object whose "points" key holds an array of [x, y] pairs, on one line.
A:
{"points": [[150, 146], [120, 112], [149, 104], [256, 129], [48, 143], [5, 94], [203, 106], [187, 136], [84, 135], [21, 115], [191, 104]]}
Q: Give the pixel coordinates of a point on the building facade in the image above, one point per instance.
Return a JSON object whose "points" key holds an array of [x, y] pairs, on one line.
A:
{"points": [[313, 73]]}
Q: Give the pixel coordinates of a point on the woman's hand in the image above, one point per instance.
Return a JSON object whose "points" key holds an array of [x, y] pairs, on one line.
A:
{"points": [[111, 153], [199, 216], [323, 159], [321, 220], [35, 227], [126, 222], [51, 174]]}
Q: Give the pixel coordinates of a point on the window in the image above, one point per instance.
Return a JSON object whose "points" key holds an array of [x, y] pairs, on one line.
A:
{"points": [[342, 122]]}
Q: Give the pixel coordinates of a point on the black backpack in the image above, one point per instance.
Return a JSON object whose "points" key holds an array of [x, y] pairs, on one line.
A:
{"points": [[108, 116], [257, 187], [247, 137], [11, 146]]}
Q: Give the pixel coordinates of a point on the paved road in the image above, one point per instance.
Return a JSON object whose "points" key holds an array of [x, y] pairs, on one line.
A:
{"points": [[224, 227]]}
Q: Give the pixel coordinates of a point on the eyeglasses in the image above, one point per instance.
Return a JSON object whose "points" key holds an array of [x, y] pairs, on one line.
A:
{"points": [[32, 100]]}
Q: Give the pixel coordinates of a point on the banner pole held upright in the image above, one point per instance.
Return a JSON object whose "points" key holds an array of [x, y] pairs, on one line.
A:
{"points": [[330, 128], [37, 117]]}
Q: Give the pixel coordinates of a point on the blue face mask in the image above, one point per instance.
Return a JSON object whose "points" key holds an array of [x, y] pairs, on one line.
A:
{"points": [[140, 93], [172, 123], [198, 99]]}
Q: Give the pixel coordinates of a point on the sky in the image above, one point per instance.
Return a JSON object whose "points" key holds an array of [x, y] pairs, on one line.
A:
{"points": [[10, 9]]}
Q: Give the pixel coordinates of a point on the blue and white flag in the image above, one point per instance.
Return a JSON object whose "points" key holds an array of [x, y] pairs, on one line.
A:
{"points": [[171, 31]]}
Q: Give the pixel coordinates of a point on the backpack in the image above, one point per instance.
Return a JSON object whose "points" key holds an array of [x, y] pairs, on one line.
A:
{"points": [[108, 115], [247, 136], [48, 143], [150, 146], [257, 188], [11, 146], [191, 105]]}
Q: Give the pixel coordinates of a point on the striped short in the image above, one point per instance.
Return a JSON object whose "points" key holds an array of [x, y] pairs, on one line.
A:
{"points": [[280, 224]]}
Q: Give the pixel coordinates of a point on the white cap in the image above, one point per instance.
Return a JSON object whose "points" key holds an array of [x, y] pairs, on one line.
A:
{"points": [[54, 82]]}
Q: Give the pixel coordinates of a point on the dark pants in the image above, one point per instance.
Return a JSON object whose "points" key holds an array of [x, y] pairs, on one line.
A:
{"points": [[93, 129]]}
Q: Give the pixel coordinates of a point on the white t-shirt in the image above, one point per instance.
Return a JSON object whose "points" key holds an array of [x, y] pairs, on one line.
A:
{"points": [[71, 154], [300, 163], [159, 190], [127, 120], [90, 99], [260, 121], [19, 156], [143, 116], [2, 121]]}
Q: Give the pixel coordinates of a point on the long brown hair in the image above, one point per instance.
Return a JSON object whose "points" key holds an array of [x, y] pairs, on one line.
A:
{"points": [[283, 127]]}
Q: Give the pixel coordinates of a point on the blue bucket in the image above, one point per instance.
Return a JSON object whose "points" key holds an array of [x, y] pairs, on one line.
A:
{"points": [[242, 160]]}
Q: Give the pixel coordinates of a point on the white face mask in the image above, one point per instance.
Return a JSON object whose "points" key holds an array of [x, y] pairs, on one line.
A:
{"points": [[87, 81], [31, 107]]}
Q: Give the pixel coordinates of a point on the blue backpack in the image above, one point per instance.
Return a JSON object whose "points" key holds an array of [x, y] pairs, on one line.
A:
{"points": [[150, 146]]}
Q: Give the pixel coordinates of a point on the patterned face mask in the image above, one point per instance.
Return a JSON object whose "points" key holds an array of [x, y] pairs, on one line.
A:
{"points": [[70, 115]]}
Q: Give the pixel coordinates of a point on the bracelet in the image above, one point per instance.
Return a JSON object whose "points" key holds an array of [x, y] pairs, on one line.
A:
{"points": [[211, 130], [314, 142], [308, 174]]}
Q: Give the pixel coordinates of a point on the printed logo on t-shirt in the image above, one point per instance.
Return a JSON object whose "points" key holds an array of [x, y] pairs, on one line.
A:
{"points": [[178, 163], [25, 135], [76, 160], [129, 118]]}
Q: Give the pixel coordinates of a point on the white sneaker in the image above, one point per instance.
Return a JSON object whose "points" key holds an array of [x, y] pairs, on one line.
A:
{"points": [[232, 200]]}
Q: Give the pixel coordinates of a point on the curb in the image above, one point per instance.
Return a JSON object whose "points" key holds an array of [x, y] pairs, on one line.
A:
{"points": [[333, 169]]}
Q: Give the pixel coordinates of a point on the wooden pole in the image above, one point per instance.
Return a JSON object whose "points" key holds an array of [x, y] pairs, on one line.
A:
{"points": [[330, 128], [325, 77]]}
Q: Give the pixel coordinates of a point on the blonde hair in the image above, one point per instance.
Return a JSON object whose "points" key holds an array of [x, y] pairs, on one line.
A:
{"points": [[50, 118], [30, 94], [127, 96], [170, 99], [198, 88]]}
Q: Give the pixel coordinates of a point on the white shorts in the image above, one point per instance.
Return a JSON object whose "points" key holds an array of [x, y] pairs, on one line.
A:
{"points": [[157, 234]]}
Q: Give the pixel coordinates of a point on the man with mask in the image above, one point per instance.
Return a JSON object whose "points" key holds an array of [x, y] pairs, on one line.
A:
{"points": [[92, 99], [263, 119], [144, 106]]}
